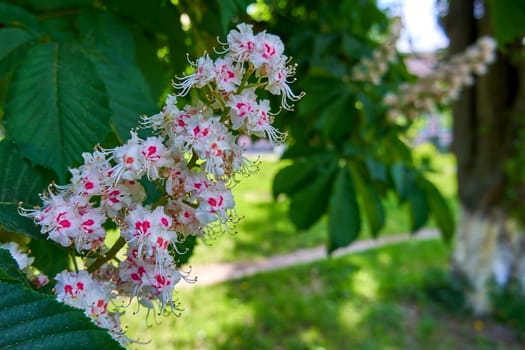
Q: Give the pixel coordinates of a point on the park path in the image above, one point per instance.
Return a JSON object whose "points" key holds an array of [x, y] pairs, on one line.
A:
{"points": [[208, 274]]}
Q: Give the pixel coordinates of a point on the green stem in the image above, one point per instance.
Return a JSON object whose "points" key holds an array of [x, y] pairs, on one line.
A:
{"points": [[108, 256], [74, 260], [190, 204], [193, 161], [245, 79]]}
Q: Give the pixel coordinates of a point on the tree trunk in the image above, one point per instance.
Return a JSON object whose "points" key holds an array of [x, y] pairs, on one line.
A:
{"points": [[486, 121]]}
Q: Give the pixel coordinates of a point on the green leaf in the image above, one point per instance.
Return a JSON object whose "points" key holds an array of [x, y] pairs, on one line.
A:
{"points": [[378, 171], [159, 16], [186, 247], [14, 16], [311, 202], [345, 221], [300, 150], [32, 320], [13, 44], [9, 270], [353, 47], [294, 177], [399, 177], [19, 182], [440, 210], [108, 34], [128, 91], [66, 112], [11, 221], [368, 109], [337, 118], [229, 9], [50, 258], [507, 18], [320, 91], [418, 207], [156, 72], [370, 201]]}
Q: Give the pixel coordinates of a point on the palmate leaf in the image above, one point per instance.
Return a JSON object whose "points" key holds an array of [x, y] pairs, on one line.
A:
{"points": [[311, 202], [11, 15], [66, 112], [50, 257], [13, 42], [321, 90], [345, 220], [110, 45], [338, 117], [19, 182], [294, 177], [440, 210], [370, 201], [9, 270], [31, 320], [417, 208]]}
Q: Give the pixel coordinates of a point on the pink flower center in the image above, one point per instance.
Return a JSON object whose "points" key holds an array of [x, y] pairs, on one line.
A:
{"points": [[142, 227]]}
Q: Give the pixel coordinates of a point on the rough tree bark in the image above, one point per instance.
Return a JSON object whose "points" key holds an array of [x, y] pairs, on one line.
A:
{"points": [[487, 118]]}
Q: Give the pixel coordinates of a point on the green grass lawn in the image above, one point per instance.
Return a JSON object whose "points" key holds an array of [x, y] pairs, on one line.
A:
{"points": [[266, 230], [371, 300]]}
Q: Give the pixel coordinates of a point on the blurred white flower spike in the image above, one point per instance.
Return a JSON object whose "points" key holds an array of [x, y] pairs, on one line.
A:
{"points": [[191, 155], [444, 84]]}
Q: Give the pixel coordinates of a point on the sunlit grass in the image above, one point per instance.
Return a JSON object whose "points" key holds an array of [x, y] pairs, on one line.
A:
{"points": [[371, 300]]}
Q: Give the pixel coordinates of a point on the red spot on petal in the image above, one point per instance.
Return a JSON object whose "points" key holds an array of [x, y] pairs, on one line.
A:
{"points": [[68, 289], [80, 286]]}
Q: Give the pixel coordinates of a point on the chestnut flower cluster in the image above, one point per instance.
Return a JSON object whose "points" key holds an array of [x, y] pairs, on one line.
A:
{"points": [[444, 84], [372, 69], [191, 154]]}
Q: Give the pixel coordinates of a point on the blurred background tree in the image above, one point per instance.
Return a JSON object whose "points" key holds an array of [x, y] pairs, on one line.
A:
{"points": [[488, 144]]}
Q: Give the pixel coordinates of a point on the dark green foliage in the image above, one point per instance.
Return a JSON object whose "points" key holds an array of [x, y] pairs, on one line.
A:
{"points": [[66, 115], [445, 288], [346, 119], [31, 320], [345, 219], [370, 202], [20, 183], [507, 19], [294, 177], [50, 258], [310, 202], [440, 210], [8, 268], [509, 306], [186, 250]]}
